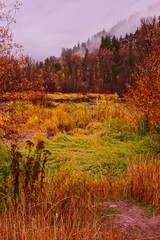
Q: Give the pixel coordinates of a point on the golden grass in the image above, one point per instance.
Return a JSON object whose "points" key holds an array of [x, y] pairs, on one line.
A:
{"points": [[143, 183], [24, 117], [37, 227], [65, 209], [35, 96]]}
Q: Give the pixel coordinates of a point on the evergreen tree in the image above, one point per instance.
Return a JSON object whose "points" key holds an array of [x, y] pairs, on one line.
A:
{"points": [[130, 58], [115, 43], [84, 65]]}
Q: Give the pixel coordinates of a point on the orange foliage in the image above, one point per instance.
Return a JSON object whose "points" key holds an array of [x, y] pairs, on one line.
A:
{"points": [[17, 73], [144, 89]]}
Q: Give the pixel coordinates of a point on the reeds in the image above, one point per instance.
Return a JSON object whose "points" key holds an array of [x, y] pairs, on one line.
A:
{"points": [[65, 208], [143, 182]]}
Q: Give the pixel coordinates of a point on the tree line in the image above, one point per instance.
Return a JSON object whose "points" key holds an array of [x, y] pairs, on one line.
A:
{"points": [[109, 69]]}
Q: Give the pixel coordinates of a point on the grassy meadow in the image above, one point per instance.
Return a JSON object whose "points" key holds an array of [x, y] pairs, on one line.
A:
{"points": [[62, 155]]}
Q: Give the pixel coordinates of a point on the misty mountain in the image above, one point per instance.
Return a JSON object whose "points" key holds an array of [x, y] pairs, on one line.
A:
{"points": [[128, 26]]}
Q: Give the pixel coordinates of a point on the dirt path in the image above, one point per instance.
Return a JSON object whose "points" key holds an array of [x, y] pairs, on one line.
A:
{"points": [[131, 220]]}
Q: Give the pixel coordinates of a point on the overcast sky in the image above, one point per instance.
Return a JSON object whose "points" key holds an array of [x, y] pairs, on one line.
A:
{"points": [[45, 26]]}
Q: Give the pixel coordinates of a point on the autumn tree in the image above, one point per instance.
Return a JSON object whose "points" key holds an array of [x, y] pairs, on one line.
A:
{"points": [[7, 18], [49, 69], [17, 72], [7, 47], [144, 87]]}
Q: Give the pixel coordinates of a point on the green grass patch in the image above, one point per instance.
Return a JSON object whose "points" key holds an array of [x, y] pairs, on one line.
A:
{"points": [[102, 152]]}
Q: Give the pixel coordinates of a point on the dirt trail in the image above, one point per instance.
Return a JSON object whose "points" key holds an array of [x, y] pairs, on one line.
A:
{"points": [[132, 220]]}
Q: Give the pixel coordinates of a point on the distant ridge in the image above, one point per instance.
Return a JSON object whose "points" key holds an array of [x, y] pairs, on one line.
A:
{"points": [[122, 28]]}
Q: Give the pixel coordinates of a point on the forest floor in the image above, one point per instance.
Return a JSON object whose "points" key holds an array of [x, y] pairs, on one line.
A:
{"points": [[133, 221]]}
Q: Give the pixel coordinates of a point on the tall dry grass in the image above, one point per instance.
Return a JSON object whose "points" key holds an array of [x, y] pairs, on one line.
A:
{"points": [[143, 183], [25, 117], [65, 209]]}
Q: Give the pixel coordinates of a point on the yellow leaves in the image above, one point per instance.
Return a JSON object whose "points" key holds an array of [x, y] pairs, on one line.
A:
{"points": [[144, 92], [15, 76]]}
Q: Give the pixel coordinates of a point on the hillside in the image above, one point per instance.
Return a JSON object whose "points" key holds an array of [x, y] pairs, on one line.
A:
{"points": [[123, 27]]}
